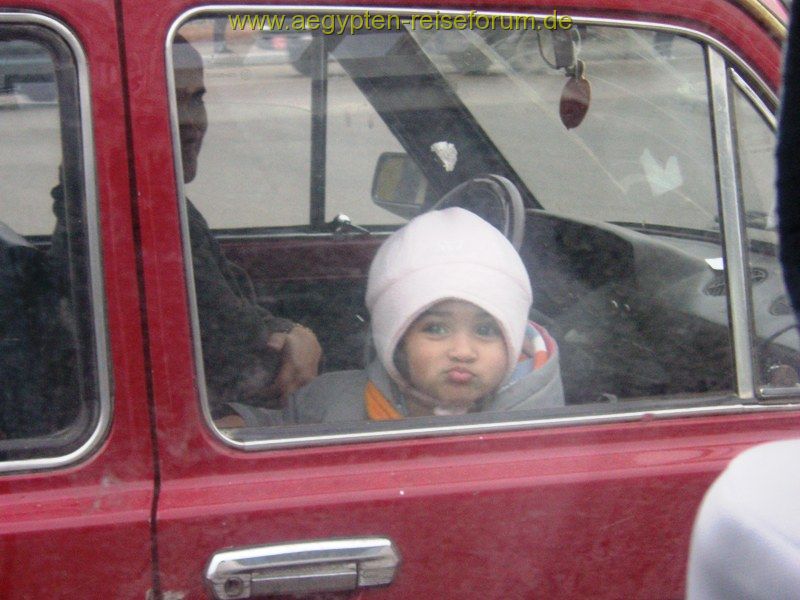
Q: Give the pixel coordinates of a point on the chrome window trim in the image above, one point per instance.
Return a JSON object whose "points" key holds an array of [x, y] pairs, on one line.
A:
{"points": [[299, 235], [96, 284], [764, 391], [741, 339], [504, 426], [733, 228], [767, 15], [751, 94], [191, 292]]}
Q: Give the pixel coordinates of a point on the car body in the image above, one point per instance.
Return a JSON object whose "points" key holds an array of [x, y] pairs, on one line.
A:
{"points": [[678, 347]]}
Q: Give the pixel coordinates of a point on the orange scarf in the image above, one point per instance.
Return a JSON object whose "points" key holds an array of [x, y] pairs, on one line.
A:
{"points": [[378, 407]]}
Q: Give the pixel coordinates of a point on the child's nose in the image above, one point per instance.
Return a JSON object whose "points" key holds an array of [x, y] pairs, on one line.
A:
{"points": [[462, 347]]}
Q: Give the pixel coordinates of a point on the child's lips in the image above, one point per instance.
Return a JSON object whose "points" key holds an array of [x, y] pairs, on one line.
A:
{"points": [[459, 375]]}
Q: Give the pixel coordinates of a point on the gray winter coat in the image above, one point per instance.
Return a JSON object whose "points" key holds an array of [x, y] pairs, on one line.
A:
{"points": [[339, 396]]}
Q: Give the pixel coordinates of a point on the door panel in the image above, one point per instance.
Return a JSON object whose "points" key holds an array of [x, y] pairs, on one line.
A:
{"points": [[586, 512]]}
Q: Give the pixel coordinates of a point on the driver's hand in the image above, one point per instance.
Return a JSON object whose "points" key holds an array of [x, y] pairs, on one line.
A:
{"points": [[300, 356]]}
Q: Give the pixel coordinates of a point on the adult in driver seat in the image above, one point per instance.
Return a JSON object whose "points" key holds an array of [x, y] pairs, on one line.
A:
{"points": [[250, 356]]}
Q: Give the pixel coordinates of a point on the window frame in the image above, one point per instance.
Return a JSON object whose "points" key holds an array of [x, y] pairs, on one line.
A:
{"points": [[760, 107], [719, 58], [98, 344]]}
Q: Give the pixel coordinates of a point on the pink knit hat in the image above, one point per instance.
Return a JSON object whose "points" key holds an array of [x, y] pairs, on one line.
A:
{"points": [[440, 255]]}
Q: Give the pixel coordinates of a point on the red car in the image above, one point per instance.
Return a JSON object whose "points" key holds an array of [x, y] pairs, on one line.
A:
{"points": [[625, 148]]}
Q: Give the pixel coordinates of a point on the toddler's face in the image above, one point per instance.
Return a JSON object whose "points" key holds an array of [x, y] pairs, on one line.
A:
{"points": [[455, 353]]}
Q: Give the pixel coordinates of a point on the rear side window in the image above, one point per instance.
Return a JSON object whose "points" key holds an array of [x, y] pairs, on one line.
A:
{"points": [[49, 393]]}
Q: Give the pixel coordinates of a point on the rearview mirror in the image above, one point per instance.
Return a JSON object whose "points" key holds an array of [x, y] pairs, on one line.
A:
{"points": [[398, 185]]}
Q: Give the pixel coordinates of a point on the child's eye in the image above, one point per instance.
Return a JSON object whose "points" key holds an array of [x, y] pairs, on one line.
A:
{"points": [[435, 328], [489, 329]]}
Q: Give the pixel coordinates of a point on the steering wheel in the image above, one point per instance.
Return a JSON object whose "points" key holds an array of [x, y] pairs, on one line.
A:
{"points": [[495, 199]]}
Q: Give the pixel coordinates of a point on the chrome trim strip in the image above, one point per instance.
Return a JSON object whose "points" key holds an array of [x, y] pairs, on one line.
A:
{"points": [[732, 225], [744, 380], [767, 17], [266, 235], [743, 87], [764, 392], [506, 426], [96, 283]]}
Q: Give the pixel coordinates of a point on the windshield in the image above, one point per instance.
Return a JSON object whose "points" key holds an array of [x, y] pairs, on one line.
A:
{"points": [[643, 153]]}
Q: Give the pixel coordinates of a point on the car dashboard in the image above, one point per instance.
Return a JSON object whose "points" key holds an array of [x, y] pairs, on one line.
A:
{"points": [[643, 314]]}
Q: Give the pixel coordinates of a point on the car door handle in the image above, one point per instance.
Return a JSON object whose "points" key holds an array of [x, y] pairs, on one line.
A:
{"points": [[302, 567]]}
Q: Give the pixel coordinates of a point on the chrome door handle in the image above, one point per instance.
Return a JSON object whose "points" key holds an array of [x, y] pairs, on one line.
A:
{"points": [[301, 568]]}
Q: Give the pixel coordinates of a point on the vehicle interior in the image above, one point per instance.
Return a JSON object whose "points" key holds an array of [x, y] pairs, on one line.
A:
{"points": [[639, 309]]}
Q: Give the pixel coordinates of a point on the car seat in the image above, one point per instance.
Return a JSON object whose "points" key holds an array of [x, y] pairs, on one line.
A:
{"points": [[37, 395]]}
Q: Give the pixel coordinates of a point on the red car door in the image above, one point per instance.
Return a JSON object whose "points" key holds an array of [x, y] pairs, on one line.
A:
{"points": [[563, 504], [76, 462]]}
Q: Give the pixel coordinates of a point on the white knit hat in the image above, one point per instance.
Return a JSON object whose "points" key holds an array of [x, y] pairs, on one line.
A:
{"points": [[440, 255]]}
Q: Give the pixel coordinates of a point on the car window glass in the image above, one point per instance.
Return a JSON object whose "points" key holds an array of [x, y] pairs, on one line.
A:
{"points": [[776, 336], [643, 151], [255, 102], [30, 154], [621, 236], [49, 401], [356, 135], [242, 124]]}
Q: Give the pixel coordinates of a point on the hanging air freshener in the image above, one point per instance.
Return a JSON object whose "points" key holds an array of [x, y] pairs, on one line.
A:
{"points": [[575, 97]]}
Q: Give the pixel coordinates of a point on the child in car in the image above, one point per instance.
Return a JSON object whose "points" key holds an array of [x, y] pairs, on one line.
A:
{"points": [[449, 298]]}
